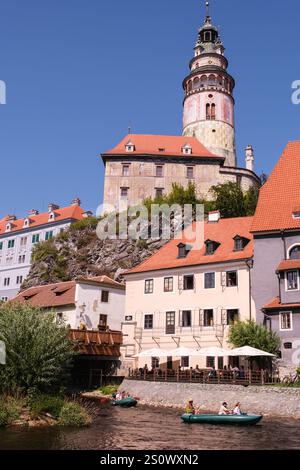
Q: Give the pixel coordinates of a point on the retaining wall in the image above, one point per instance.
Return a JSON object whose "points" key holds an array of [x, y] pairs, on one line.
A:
{"points": [[269, 401]]}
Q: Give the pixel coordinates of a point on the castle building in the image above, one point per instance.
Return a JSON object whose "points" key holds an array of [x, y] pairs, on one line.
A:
{"points": [[142, 166], [19, 236]]}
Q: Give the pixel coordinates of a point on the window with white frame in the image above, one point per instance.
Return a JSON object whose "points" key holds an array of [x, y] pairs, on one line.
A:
{"points": [[209, 280], [23, 241], [6, 281], [168, 284], [159, 171], [188, 282], [149, 284], [21, 259], [186, 318], [148, 322], [190, 172], [125, 170], [286, 322], [292, 280], [19, 280], [35, 238], [11, 243]]}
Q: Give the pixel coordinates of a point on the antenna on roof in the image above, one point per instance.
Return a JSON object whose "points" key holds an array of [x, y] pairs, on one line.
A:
{"points": [[129, 129]]}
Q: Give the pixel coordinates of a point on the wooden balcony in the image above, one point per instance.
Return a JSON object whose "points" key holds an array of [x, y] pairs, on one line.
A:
{"points": [[97, 343]]}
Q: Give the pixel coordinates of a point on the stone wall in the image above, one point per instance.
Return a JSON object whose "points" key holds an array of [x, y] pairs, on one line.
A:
{"points": [[269, 401]]}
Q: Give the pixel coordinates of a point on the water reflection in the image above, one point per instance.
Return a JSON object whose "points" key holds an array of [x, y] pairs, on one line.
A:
{"points": [[154, 429]]}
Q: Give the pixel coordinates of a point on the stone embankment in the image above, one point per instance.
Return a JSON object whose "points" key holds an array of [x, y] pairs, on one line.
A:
{"points": [[270, 401]]}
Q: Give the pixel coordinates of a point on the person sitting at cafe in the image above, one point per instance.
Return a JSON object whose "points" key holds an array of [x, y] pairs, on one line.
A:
{"points": [[190, 409], [197, 371], [224, 409]]}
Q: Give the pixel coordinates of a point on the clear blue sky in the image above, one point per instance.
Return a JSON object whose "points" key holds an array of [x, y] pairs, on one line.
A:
{"points": [[79, 72]]}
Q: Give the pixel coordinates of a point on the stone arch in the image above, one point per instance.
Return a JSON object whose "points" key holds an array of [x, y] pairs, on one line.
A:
{"points": [[196, 83], [189, 85], [203, 81], [212, 80]]}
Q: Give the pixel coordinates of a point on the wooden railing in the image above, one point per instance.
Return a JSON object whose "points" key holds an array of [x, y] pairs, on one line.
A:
{"points": [[206, 376], [97, 343]]}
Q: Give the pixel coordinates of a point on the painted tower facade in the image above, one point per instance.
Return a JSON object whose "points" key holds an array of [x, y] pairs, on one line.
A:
{"points": [[209, 103]]}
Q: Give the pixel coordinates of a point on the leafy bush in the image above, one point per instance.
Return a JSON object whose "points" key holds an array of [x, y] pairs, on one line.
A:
{"points": [[45, 404], [10, 409], [108, 389], [88, 222], [251, 334], [38, 351], [73, 414]]}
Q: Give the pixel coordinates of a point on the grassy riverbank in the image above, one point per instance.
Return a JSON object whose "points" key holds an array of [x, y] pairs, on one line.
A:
{"points": [[42, 410]]}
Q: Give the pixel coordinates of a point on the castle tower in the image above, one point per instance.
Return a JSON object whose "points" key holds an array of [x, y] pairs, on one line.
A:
{"points": [[209, 103]]}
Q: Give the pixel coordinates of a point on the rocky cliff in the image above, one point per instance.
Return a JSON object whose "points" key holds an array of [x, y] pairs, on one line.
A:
{"points": [[79, 252]]}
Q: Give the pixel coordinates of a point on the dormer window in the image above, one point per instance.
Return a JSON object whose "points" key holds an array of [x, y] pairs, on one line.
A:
{"points": [[183, 250], [26, 223], [161, 149], [240, 243], [211, 247], [130, 147], [187, 149], [51, 216], [8, 227], [296, 214]]}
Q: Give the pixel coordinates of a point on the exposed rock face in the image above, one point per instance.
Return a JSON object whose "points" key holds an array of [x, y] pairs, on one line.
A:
{"points": [[79, 252]]}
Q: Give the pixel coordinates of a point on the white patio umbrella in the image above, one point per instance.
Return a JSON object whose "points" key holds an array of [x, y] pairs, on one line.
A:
{"points": [[182, 352], [248, 351], [155, 352], [214, 351]]}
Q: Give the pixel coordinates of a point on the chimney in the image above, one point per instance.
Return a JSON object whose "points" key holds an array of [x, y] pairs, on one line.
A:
{"points": [[76, 202], [33, 212], [250, 158], [52, 207], [214, 217]]}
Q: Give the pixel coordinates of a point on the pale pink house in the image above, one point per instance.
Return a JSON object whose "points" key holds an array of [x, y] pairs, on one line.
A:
{"points": [[189, 297]]}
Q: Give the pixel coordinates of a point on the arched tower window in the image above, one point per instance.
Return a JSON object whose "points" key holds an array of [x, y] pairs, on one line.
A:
{"points": [[196, 83], [213, 112], [208, 111], [212, 80], [295, 252], [189, 85], [203, 81]]}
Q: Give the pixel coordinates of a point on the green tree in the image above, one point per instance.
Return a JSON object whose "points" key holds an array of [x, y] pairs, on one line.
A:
{"points": [[250, 201], [251, 334], [229, 200], [38, 351]]}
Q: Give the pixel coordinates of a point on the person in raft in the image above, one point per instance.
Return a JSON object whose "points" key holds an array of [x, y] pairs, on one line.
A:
{"points": [[190, 409], [237, 409], [224, 409]]}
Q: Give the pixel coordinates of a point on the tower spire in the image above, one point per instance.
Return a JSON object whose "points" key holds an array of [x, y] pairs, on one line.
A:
{"points": [[207, 9]]}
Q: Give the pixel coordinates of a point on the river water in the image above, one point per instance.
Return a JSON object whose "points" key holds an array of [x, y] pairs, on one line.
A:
{"points": [[144, 428]]}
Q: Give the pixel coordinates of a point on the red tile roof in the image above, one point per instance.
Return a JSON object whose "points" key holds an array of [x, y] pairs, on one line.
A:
{"points": [[275, 304], [280, 196], [61, 293], [221, 232], [102, 280], [74, 212], [171, 145], [52, 295], [289, 264]]}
